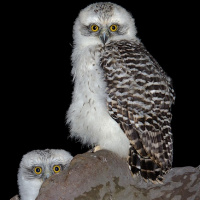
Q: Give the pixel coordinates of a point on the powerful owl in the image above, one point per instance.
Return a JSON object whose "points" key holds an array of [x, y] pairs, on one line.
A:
{"points": [[122, 98], [38, 165]]}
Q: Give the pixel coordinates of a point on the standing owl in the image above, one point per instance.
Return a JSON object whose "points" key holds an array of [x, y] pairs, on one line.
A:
{"points": [[38, 165], [122, 98]]}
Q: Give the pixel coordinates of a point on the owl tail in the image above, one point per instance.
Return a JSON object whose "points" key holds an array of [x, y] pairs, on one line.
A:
{"points": [[148, 169]]}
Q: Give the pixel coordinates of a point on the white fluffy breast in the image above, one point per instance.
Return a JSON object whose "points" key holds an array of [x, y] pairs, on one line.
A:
{"points": [[88, 115], [28, 189]]}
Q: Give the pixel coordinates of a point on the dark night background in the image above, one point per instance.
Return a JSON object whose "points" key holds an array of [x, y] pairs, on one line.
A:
{"points": [[37, 80]]}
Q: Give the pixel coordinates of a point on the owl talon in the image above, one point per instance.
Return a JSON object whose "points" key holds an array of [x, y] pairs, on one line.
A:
{"points": [[96, 148]]}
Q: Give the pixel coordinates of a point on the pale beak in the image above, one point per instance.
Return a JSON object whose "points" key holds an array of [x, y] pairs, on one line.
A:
{"points": [[104, 35], [46, 176]]}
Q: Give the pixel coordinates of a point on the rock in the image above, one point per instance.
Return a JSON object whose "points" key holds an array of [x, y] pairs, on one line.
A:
{"points": [[104, 176], [16, 197]]}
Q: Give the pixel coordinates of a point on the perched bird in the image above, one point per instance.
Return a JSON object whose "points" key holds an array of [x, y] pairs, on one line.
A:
{"points": [[122, 98], [38, 165]]}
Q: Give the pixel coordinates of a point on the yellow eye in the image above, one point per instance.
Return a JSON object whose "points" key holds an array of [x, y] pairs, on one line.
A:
{"points": [[56, 168], [113, 27], [38, 170], [94, 28]]}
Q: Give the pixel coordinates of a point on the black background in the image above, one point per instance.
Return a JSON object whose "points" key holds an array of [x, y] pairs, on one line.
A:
{"points": [[37, 83]]}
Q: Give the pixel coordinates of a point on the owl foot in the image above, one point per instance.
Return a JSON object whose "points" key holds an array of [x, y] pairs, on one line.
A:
{"points": [[95, 149]]}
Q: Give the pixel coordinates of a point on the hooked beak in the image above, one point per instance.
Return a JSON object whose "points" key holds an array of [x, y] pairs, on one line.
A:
{"points": [[46, 176], [104, 35]]}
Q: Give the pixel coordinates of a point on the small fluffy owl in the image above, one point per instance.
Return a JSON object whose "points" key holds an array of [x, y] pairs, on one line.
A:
{"points": [[38, 165], [122, 98]]}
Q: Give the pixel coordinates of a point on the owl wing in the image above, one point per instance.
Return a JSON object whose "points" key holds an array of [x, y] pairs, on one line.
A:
{"points": [[139, 99]]}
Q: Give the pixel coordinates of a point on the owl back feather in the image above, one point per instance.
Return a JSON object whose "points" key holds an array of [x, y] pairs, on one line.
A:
{"points": [[140, 96]]}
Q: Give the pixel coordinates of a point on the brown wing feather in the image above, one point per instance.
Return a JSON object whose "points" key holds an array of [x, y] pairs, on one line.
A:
{"points": [[140, 96]]}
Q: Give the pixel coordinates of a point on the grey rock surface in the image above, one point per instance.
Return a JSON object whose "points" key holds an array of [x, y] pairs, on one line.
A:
{"points": [[104, 176], [16, 197]]}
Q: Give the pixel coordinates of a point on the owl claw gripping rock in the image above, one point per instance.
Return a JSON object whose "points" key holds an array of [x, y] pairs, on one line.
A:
{"points": [[38, 165], [122, 97]]}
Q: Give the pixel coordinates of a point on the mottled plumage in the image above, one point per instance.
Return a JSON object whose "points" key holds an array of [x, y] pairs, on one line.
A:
{"points": [[140, 96], [122, 98]]}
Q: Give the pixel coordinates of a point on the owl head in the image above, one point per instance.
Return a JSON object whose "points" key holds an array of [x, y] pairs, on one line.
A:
{"points": [[38, 165], [101, 22], [41, 164]]}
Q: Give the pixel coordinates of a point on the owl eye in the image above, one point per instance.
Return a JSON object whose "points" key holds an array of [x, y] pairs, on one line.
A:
{"points": [[56, 168], [94, 28], [113, 27], [38, 170]]}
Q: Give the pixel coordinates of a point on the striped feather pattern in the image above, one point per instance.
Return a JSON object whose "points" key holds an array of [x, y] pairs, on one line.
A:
{"points": [[140, 96]]}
